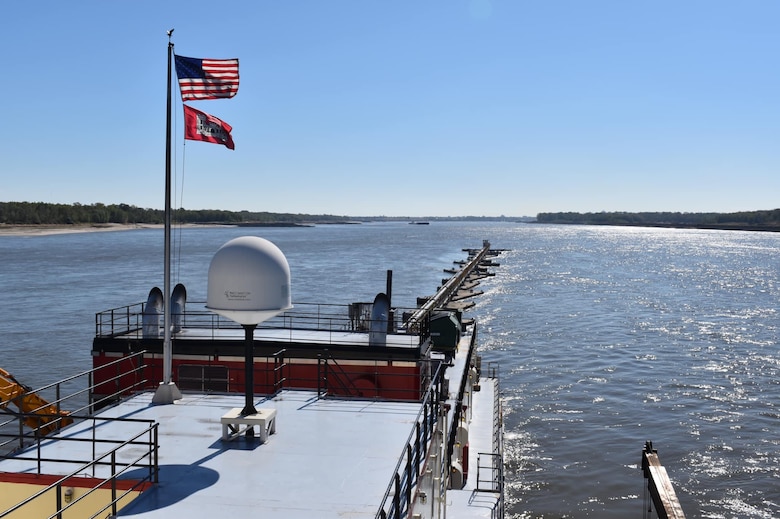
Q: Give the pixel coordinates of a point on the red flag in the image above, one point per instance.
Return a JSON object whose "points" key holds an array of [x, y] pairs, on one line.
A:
{"points": [[200, 126]]}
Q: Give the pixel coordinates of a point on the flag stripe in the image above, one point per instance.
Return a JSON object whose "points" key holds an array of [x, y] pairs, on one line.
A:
{"points": [[207, 78]]}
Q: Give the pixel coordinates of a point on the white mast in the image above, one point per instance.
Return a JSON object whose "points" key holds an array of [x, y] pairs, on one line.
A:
{"points": [[167, 391]]}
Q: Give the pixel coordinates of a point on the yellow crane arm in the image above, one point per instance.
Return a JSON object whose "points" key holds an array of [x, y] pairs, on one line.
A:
{"points": [[14, 392]]}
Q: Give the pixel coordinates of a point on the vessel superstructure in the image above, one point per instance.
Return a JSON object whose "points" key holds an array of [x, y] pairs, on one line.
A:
{"points": [[353, 419]]}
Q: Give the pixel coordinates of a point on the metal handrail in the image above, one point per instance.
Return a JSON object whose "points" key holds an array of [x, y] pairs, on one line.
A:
{"points": [[128, 321], [327, 365], [458, 410], [20, 435], [152, 465], [495, 483], [136, 362], [446, 292], [276, 372], [414, 454], [493, 468]]}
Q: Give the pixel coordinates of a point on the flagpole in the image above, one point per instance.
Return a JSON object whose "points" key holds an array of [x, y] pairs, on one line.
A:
{"points": [[167, 391]]}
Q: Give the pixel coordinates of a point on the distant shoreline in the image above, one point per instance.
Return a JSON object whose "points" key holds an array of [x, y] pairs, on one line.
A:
{"points": [[48, 230], [706, 227], [52, 229]]}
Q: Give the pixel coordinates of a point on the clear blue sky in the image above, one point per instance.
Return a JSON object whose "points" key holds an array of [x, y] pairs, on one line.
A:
{"points": [[401, 107]]}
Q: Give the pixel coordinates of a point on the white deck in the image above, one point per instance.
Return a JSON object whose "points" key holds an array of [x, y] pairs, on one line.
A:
{"points": [[468, 502], [328, 458], [303, 336]]}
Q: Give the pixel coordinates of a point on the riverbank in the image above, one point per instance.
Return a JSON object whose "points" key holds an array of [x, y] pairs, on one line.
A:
{"points": [[46, 230], [710, 227]]}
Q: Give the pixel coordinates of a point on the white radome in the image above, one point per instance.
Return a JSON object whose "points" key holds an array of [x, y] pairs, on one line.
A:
{"points": [[249, 281]]}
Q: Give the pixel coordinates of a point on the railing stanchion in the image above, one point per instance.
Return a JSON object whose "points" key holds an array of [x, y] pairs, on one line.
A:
{"points": [[417, 445], [113, 483], [38, 447], [397, 495], [58, 503], [94, 443], [409, 475], [91, 392], [319, 375]]}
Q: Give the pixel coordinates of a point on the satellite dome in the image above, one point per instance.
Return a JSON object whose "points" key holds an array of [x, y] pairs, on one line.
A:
{"points": [[249, 281]]}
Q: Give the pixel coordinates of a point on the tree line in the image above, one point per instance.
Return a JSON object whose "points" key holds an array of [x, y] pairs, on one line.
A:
{"points": [[39, 213], [759, 220]]}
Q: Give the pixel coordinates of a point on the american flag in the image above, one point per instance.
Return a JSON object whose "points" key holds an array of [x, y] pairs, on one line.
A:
{"points": [[206, 78]]}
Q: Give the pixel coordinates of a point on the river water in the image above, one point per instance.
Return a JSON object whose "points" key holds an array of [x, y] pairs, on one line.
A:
{"points": [[606, 337]]}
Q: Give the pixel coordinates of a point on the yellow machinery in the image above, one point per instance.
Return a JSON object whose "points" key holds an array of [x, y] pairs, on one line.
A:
{"points": [[37, 412]]}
